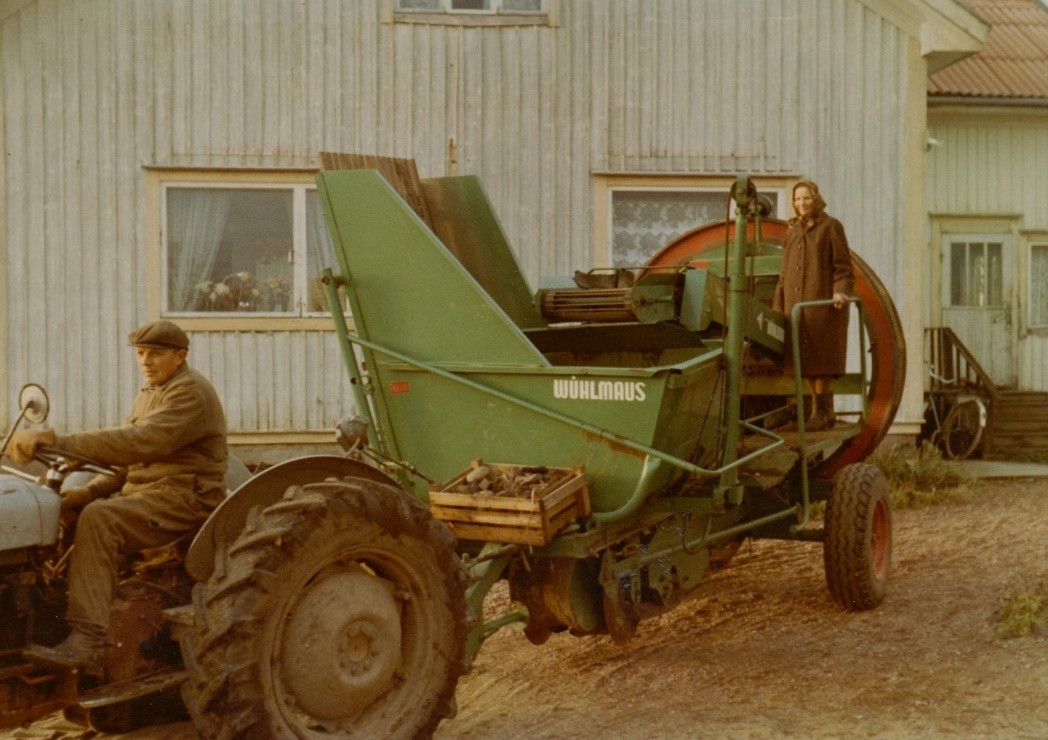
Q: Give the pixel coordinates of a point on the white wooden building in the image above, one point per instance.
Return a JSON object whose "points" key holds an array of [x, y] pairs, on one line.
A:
{"points": [[152, 149], [987, 195]]}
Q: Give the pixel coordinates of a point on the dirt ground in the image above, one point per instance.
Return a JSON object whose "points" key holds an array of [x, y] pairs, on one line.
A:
{"points": [[762, 651]]}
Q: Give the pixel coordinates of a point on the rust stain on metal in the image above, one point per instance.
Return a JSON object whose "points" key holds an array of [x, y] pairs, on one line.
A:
{"points": [[612, 444]]}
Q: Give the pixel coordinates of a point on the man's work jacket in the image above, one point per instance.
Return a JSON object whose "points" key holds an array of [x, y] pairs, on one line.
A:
{"points": [[174, 437]]}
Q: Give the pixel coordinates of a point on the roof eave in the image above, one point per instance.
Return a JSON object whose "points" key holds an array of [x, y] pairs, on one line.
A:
{"points": [[987, 101], [949, 33]]}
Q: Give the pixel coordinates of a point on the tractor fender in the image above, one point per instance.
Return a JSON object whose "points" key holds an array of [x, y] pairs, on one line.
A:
{"points": [[264, 489]]}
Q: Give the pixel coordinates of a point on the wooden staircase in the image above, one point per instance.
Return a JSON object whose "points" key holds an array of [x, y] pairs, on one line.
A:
{"points": [[1017, 423], [1017, 426]]}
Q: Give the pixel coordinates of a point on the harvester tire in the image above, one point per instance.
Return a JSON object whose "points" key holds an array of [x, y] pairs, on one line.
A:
{"points": [[858, 545], [339, 611]]}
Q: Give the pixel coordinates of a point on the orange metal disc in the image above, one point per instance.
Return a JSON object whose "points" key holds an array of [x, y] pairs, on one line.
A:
{"points": [[887, 346]]}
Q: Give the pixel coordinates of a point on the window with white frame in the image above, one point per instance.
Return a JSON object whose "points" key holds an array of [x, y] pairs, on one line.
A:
{"points": [[975, 272], [1039, 285], [243, 248], [473, 12], [643, 220], [473, 6]]}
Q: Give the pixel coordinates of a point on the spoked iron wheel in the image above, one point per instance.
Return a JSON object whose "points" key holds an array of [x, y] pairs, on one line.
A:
{"points": [[963, 429]]}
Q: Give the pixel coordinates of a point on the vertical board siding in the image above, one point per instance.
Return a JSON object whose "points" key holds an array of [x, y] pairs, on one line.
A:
{"points": [[1033, 370], [96, 90], [993, 165]]}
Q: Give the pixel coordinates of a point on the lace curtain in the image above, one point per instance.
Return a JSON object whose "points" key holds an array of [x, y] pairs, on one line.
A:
{"points": [[196, 220], [644, 221]]}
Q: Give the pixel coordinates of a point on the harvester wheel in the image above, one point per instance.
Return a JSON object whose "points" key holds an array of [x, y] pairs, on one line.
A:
{"points": [[887, 349], [858, 546], [339, 611]]}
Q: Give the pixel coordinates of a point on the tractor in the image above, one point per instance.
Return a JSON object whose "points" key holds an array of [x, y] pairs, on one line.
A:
{"points": [[595, 446]]}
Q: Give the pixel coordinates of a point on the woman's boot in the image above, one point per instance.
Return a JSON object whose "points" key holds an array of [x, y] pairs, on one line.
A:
{"points": [[824, 416]]}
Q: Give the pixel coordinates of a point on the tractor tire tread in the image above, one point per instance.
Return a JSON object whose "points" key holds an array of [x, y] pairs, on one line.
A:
{"points": [[226, 703]]}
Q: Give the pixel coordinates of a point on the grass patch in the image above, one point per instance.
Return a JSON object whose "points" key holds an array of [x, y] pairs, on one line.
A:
{"points": [[918, 477], [1023, 611]]}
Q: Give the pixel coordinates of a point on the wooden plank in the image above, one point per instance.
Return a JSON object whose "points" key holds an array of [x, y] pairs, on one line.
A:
{"points": [[507, 535], [1031, 419], [510, 519], [401, 174], [460, 515], [467, 502]]}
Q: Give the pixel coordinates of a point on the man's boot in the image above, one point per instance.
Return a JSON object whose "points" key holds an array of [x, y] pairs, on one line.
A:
{"points": [[83, 650], [824, 416]]}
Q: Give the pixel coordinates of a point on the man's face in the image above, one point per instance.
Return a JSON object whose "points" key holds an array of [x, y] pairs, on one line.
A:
{"points": [[157, 365]]}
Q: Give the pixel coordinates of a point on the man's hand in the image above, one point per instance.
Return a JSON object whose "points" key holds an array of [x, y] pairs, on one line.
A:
{"points": [[76, 498], [23, 444]]}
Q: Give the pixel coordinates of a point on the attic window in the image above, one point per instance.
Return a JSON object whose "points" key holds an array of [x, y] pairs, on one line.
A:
{"points": [[483, 6], [474, 12]]}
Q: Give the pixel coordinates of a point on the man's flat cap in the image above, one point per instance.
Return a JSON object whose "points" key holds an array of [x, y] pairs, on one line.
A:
{"points": [[159, 335]]}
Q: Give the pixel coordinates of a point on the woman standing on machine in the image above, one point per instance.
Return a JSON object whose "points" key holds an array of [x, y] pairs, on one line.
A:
{"points": [[816, 265]]}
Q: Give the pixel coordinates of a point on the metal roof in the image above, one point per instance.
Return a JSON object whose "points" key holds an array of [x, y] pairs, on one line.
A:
{"points": [[1014, 61]]}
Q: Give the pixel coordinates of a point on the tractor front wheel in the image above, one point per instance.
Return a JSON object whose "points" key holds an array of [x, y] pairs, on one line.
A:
{"points": [[339, 611], [858, 545]]}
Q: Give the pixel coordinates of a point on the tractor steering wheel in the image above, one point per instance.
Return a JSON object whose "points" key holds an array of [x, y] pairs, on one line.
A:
{"points": [[53, 456]]}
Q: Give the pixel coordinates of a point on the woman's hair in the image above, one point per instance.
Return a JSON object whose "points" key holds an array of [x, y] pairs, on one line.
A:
{"points": [[818, 204]]}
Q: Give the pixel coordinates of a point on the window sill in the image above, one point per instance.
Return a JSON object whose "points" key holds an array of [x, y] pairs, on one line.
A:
{"points": [[254, 323], [426, 18]]}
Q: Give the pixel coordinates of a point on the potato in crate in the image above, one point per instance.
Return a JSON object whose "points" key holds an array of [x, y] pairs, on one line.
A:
{"points": [[515, 504]]}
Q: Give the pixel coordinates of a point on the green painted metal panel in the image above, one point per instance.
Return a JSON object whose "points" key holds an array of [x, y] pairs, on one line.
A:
{"points": [[441, 425], [454, 378], [464, 220], [406, 289]]}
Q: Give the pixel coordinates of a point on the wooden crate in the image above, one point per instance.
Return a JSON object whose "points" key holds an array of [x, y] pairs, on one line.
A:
{"points": [[517, 520]]}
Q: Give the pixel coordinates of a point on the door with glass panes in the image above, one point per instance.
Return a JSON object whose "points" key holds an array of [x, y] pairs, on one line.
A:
{"points": [[977, 299]]}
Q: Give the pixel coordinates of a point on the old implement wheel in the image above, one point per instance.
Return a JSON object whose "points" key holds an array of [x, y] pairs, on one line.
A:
{"points": [[962, 430], [858, 546], [339, 611], [887, 350]]}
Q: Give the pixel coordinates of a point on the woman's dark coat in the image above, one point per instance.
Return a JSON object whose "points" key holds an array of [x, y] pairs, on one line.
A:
{"points": [[816, 263]]}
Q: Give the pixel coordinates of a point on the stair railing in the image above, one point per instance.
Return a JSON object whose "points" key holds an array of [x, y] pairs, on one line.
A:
{"points": [[952, 367]]}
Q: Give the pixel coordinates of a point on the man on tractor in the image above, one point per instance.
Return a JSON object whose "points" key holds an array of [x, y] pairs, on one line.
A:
{"points": [[170, 458]]}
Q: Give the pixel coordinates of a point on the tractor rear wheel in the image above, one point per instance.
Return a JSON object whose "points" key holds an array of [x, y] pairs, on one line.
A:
{"points": [[338, 611], [858, 545]]}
